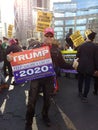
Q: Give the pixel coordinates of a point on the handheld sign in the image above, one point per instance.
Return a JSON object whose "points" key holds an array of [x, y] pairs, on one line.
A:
{"points": [[69, 56], [10, 30], [32, 64], [87, 32], [43, 20], [77, 38]]}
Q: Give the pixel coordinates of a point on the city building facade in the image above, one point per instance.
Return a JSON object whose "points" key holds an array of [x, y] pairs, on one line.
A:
{"points": [[25, 17], [3, 27], [76, 14]]}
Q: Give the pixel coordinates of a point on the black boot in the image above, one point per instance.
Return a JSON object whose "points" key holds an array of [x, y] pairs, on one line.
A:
{"points": [[29, 121], [28, 127], [94, 92], [46, 121]]}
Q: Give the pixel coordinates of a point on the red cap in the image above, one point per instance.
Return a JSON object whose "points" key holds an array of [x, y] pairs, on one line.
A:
{"points": [[49, 30]]}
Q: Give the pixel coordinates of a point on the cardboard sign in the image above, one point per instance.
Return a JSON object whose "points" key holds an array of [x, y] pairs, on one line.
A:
{"points": [[43, 20], [77, 38], [10, 30], [87, 32], [69, 56], [32, 64]]}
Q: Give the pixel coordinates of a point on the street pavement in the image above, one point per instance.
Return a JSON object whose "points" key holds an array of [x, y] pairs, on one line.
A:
{"points": [[67, 112]]}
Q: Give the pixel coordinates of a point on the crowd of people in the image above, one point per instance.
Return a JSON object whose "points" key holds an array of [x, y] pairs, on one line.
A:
{"points": [[87, 68]]}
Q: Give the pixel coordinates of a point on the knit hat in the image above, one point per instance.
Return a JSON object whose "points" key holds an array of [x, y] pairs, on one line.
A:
{"points": [[12, 41], [92, 35]]}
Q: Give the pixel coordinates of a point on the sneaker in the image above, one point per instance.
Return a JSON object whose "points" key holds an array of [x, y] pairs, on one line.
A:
{"points": [[14, 83], [46, 121], [84, 100], [95, 93]]}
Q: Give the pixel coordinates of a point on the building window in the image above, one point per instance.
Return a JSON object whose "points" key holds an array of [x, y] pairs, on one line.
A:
{"points": [[58, 29], [64, 6], [81, 21], [59, 22], [58, 14], [81, 28], [70, 22], [69, 14], [82, 12], [68, 27], [59, 33]]}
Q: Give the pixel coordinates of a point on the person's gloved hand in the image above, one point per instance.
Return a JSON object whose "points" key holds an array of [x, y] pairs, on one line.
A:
{"points": [[75, 63]]}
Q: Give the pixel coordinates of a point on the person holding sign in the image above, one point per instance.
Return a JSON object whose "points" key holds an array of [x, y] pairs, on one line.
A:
{"points": [[13, 48], [86, 66], [95, 92], [47, 83], [68, 39], [3, 83]]}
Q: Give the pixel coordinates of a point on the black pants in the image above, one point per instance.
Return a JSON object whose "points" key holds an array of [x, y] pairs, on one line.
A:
{"points": [[47, 85], [84, 79], [96, 84], [7, 65]]}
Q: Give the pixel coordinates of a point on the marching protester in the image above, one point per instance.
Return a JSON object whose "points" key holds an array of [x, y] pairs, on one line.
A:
{"points": [[3, 83], [47, 83], [86, 66], [95, 92], [68, 39], [13, 47], [5, 45]]}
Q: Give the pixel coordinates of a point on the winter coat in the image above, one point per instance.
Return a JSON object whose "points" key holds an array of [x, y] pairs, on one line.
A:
{"points": [[86, 55], [1, 53], [13, 48], [57, 58], [96, 57]]}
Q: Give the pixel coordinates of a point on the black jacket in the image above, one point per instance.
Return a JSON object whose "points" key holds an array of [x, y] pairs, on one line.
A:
{"points": [[57, 58], [86, 55], [96, 57], [1, 53]]}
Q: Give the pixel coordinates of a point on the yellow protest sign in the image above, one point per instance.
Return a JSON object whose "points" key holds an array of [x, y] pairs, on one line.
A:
{"points": [[87, 32], [10, 30], [77, 38], [43, 20]]}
